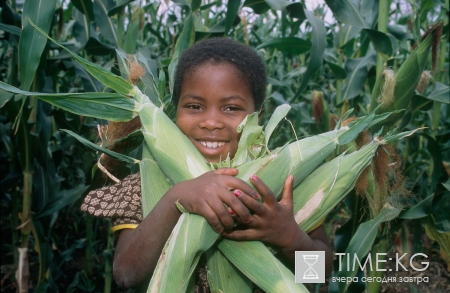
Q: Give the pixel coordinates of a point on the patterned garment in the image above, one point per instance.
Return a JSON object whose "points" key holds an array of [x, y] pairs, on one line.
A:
{"points": [[122, 203]]}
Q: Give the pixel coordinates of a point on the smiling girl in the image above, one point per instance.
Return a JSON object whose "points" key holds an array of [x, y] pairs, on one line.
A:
{"points": [[217, 84]]}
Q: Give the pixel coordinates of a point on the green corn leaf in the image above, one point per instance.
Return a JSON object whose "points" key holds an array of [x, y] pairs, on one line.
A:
{"points": [[100, 149], [362, 241], [338, 71], [109, 79], [258, 6], [295, 10], [441, 237], [104, 22], [109, 106], [319, 43], [172, 67], [119, 7], [347, 12], [409, 74], [419, 210], [162, 84], [10, 29], [132, 35], [357, 74], [381, 42], [232, 11], [62, 199], [440, 93], [31, 43], [348, 33], [186, 38], [86, 7], [290, 45]]}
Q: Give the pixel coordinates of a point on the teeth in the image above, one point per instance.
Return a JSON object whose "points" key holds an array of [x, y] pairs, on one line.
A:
{"points": [[211, 144]]}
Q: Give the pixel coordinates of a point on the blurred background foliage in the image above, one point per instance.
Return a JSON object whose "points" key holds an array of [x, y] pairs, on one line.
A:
{"points": [[322, 59]]}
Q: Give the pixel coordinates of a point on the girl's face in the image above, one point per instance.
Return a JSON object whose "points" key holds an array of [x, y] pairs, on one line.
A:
{"points": [[214, 99]]}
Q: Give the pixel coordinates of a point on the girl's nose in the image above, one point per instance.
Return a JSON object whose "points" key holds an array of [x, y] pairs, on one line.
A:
{"points": [[211, 121]]}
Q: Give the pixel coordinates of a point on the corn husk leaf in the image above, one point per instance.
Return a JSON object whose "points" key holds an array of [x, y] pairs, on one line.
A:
{"points": [[223, 276], [251, 131], [154, 186], [180, 257], [278, 115], [254, 260]]}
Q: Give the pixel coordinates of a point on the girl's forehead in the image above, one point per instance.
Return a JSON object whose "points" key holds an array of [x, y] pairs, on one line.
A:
{"points": [[218, 65]]}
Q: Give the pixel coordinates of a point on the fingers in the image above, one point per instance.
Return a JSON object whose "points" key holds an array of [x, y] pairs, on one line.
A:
{"points": [[211, 217], [247, 234], [235, 205], [251, 203], [226, 171], [235, 183], [239, 184], [264, 190], [223, 213], [287, 196]]}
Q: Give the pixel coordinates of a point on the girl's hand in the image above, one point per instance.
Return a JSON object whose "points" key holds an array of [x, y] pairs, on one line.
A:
{"points": [[272, 222], [206, 195]]}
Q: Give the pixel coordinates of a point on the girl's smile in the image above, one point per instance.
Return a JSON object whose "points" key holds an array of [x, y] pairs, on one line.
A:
{"points": [[214, 100]]}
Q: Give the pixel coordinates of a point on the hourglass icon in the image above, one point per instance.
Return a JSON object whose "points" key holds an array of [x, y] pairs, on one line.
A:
{"points": [[310, 273]]}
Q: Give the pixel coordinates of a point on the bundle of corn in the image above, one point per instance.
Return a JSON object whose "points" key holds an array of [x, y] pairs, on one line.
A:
{"points": [[169, 158]]}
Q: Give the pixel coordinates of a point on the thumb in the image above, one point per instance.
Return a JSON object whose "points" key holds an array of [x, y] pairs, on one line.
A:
{"points": [[287, 196], [227, 171]]}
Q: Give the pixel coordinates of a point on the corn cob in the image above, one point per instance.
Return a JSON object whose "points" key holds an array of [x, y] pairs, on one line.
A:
{"points": [[299, 158], [313, 199]]}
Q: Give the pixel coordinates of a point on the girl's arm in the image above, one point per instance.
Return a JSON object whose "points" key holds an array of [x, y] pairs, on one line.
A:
{"points": [[273, 223], [138, 250]]}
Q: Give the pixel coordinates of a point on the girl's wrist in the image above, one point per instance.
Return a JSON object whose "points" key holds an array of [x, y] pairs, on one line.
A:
{"points": [[301, 241], [172, 198]]}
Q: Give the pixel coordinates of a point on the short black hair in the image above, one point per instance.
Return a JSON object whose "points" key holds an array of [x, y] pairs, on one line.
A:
{"points": [[224, 50]]}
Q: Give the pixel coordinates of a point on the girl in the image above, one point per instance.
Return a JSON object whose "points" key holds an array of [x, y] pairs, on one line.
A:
{"points": [[218, 82]]}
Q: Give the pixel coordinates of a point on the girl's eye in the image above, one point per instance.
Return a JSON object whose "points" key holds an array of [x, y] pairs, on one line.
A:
{"points": [[232, 108], [193, 106]]}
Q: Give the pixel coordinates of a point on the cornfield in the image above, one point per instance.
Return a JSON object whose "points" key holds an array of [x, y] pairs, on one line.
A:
{"points": [[65, 72]]}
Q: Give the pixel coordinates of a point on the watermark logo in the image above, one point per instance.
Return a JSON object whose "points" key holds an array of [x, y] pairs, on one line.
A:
{"points": [[310, 266], [351, 263]]}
